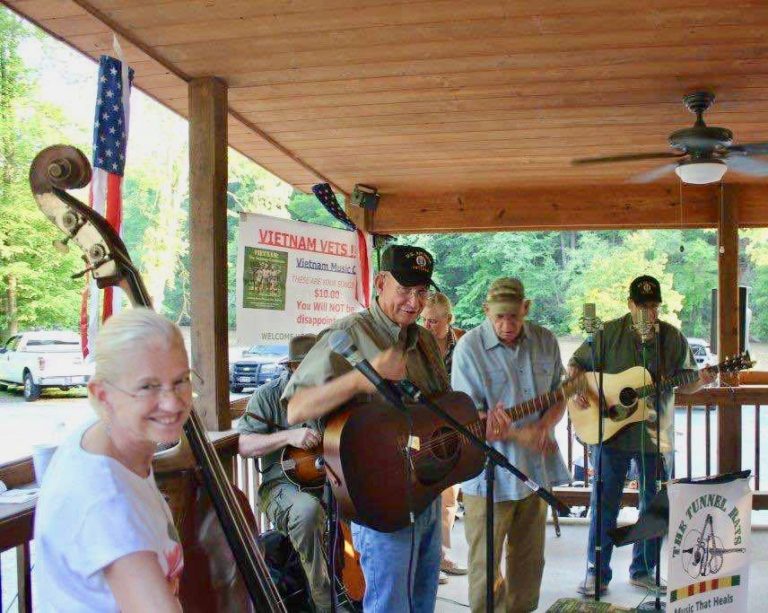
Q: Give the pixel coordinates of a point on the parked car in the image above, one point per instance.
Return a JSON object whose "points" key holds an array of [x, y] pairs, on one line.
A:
{"points": [[259, 364], [701, 352], [38, 360]]}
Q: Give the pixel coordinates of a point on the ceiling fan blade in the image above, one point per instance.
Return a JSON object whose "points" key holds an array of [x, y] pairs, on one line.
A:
{"points": [[629, 157], [652, 175], [748, 166], [749, 149]]}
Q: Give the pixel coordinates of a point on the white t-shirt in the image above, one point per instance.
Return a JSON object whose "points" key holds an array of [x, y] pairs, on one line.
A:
{"points": [[92, 511]]}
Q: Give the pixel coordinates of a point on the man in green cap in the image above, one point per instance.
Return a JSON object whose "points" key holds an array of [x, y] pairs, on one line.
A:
{"points": [[503, 362], [264, 433], [388, 337]]}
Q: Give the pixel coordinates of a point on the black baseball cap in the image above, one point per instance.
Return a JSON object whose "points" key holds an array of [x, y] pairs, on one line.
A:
{"points": [[408, 265], [644, 289]]}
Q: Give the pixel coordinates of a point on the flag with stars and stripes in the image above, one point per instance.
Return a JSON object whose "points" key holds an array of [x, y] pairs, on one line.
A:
{"points": [[364, 283], [110, 137]]}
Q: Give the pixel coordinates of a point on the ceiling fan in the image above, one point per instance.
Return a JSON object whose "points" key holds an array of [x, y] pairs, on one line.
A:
{"points": [[703, 152]]}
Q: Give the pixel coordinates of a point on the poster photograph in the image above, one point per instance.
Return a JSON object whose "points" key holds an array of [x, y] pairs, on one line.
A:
{"points": [[265, 274]]}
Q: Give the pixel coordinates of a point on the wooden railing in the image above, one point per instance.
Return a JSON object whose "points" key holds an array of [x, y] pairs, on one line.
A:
{"points": [[708, 403], [16, 524], [247, 471]]}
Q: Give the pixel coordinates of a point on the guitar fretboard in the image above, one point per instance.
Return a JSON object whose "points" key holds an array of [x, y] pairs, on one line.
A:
{"points": [[667, 383], [530, 407]]}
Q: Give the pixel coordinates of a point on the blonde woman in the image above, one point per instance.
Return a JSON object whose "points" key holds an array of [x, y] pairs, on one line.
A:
{"points": [[437, 317], [105, 538]]}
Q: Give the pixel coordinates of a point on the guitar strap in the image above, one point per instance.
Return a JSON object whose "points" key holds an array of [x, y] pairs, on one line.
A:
{"points": [[433, 358]]}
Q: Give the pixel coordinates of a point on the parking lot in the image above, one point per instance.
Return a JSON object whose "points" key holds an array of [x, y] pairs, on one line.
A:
{"points": [[23, 424]]}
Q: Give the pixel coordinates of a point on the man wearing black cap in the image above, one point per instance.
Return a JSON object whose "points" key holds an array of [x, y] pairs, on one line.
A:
{"points": [[387, 336], [630, 341], [264, 433]]}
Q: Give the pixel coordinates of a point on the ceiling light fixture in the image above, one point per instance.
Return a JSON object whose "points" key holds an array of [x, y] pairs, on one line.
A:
{"points": [[701, 172]]}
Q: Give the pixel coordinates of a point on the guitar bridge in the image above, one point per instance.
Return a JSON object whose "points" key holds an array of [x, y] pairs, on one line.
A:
{"points": [[413, 442]]}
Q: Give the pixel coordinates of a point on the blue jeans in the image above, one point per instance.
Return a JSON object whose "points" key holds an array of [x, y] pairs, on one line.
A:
{"points": [[615, 465], [385, 558]]}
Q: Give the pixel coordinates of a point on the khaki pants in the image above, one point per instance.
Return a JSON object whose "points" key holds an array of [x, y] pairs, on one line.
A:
{"points": [[301, 517], [450, 504], [520, 524]]}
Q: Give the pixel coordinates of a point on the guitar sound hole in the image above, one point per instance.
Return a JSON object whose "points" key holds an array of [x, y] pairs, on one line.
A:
{"points": [[628, 397], [444, 443]]}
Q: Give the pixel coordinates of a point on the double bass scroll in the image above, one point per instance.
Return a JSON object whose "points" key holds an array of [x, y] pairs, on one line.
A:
{"points": [[57, 169]]}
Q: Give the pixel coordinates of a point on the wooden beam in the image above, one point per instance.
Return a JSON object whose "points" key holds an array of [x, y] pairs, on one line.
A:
{"points": [[208, 246], [587, 207], [728, 414], [362, 218]]}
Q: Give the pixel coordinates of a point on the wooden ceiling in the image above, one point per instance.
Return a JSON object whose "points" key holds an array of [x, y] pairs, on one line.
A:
{"points": [[428, 100]]}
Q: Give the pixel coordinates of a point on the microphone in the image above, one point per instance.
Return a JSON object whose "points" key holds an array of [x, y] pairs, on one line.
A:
{"points": [[589, 322], [341, 342], [643, 325]]}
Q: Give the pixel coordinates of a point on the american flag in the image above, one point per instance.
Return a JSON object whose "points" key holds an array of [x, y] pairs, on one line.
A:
{"points": [[110, 137], [328, 199]]}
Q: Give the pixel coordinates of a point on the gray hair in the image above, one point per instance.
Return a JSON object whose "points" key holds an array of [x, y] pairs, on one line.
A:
{"points": [[124, 331]]}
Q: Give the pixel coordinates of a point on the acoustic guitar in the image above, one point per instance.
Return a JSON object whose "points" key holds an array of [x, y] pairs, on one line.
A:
{"points": [[629, 397], [381, 472]]}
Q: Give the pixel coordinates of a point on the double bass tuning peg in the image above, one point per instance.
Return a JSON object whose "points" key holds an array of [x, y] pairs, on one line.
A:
{"points": [[61, 244], [70, 221], [59, 169]]}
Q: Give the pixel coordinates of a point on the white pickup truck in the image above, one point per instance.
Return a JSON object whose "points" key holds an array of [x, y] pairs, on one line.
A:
{"points": [[43, 359]]}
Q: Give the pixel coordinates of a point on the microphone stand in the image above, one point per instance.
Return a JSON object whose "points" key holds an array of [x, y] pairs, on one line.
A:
{"points": [[657, 605], [493, 458], [598, 480], [331, 528]]}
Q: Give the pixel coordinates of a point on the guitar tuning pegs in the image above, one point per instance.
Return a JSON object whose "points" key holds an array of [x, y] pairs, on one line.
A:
{"points": [[61, 245], [97, 253], [82, 273]]}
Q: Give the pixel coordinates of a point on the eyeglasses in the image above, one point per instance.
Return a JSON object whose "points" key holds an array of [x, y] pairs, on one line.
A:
{"points": [[153, 390], [433, 321], [419, 294]]}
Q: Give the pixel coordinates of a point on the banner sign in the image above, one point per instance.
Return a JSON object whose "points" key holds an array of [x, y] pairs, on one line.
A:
{"points": [[293, 278], [709, 552]]}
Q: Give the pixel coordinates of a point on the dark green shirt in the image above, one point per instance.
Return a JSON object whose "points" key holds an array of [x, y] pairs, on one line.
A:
{"points": [[624, 350], [265, 403]]}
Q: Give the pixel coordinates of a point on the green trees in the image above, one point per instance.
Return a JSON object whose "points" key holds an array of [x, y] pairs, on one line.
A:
{"points": [[563, 270], [35, 288]]}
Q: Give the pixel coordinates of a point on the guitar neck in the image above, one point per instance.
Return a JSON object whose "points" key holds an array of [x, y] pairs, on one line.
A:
{"points": [[668, 383], [538, 404], [531, 407]]}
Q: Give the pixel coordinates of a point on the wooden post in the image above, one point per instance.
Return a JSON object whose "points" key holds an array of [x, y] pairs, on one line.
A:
{"points": [[728, 415], [208, 246], [24, 578]]}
